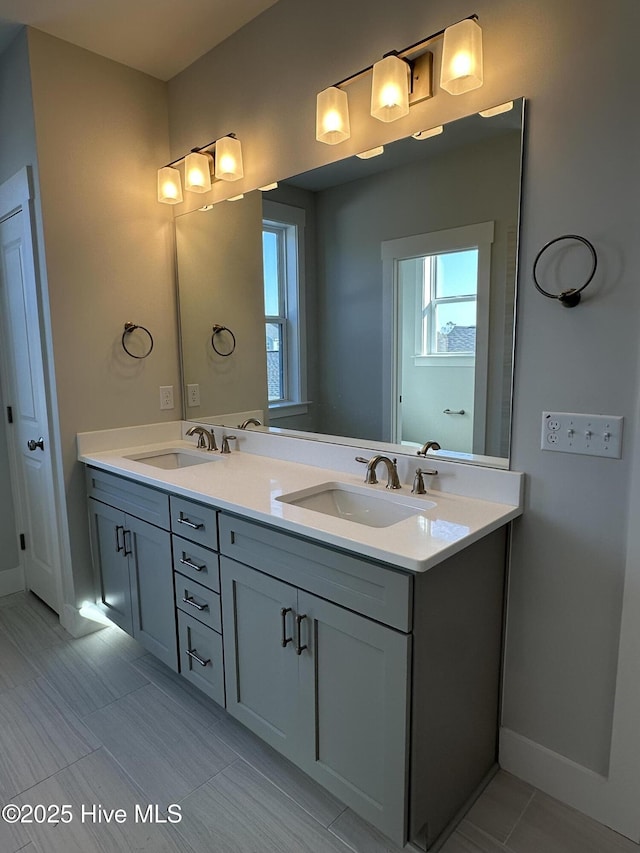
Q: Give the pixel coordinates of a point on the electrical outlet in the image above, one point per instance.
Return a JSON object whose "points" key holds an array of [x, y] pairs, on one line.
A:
{"points": [[166, 397], [193, 394], [591, 435]]}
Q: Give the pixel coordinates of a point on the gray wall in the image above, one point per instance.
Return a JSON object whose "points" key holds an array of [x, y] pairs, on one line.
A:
{"points": [[107, 250], [17, 149], [574, 62]]}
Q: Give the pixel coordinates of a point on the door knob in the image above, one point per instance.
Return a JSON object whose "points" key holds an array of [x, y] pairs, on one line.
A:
{"points": [[32, 444]]}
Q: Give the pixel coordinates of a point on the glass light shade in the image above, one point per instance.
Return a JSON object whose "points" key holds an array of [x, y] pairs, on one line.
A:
{"points": [[332, 116], [169, 186], [229, 159], [461, 58], [390, 89], [197, 172]]}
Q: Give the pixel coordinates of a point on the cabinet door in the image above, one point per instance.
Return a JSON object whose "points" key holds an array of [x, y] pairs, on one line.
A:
{"points": [[152, 599], [110, 563], [354, 685], [261, 673]]}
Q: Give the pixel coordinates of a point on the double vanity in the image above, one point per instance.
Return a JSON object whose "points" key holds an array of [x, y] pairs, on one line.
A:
{"points": [[356, 629]]}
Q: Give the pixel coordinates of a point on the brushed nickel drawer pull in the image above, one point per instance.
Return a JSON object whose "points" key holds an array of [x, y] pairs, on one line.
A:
{"points": [[194, 654], [285, 640], [183, 520], [187, 562], [188, 599], [299, 648]]}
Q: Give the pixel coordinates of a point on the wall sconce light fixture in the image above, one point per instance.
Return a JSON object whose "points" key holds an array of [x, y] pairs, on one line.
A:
{"points": [[200, 167], [404, 78]]}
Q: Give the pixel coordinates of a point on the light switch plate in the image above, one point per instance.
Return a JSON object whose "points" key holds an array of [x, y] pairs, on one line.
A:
{"points": [[592, 435]]}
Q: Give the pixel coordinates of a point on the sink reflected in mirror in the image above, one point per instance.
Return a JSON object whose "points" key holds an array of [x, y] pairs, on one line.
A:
{"points": [[358, 504], [173, 458]]}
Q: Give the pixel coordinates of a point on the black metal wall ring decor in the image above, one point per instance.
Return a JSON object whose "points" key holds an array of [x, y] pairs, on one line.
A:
{"points": [[569, 298], [216, 331], [131, 327]]}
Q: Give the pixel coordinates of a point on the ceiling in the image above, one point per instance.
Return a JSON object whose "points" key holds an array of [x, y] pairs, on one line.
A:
{"points": [[159, 37]]}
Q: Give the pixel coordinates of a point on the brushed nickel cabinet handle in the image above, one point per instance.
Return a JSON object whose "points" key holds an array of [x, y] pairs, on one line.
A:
{"points": [[119, 547], [194, 654], [188, 599], [285, 640], [124, 541], [188, 523], [299, 647], [187, 562]]}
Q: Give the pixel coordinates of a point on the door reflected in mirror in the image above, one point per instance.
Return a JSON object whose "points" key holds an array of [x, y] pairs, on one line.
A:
{"points": [[374, 299]]}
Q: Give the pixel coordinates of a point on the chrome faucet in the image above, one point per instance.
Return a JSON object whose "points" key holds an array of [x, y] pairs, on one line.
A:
{"points": [[427, 446], [393, 481], [206, 438], [249, 421]]}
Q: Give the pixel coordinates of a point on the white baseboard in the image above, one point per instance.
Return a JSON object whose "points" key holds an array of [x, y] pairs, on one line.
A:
{"points": [[11, 581], [569, 782]]}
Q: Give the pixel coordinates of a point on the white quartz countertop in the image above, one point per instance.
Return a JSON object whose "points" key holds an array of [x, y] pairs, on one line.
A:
{"points": [[249, 484]]}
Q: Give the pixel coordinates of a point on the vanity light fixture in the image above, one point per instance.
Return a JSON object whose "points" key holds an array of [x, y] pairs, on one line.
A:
{"points": [[427, 134], [372, 152], [200, 167], [403, 78], [496, 111], [462, 58]]}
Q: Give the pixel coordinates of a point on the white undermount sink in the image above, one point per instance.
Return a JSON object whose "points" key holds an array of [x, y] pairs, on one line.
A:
{"points": [[173, 457], [358, 503]]}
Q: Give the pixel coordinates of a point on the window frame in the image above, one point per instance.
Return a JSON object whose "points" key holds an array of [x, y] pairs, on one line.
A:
{"points": [[289, 223]]}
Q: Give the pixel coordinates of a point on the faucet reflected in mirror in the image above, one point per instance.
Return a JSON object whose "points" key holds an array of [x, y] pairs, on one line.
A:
{"points": [[422, 240]]}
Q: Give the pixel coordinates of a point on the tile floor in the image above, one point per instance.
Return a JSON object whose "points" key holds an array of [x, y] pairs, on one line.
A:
{"points": [[98, 722]]}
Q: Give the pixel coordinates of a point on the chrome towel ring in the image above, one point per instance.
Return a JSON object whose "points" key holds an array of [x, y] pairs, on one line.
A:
{"points": [[128, 329], [217, 329]]}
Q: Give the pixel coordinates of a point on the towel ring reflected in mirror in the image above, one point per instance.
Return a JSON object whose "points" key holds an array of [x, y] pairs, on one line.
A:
{"points": [[217, 329], [128, 329], [571, 297]]}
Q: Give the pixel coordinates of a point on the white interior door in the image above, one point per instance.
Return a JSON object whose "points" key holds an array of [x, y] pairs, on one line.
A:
{"points": [[22, 377]]}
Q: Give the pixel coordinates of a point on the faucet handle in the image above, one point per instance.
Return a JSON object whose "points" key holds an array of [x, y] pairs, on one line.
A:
{"points": [[225, 443], [370, 477], [418, 482]]}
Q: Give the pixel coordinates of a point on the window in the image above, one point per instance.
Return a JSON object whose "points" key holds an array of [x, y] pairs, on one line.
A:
{"points": [[448, 313], [283, 266]]}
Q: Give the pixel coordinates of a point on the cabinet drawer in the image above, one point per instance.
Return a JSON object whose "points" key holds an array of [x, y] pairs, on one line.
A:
{"points": [[370, 588], [194, 521], [196, 562], [133, 498], [198, 601], [207, 673]]}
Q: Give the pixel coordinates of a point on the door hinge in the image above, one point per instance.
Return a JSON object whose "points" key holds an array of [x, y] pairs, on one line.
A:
{"points": [[9, 414], [23, 542]]}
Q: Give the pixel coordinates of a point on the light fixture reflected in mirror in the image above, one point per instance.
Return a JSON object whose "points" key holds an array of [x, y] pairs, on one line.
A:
{"points": [[332, 116], [427, 134], [236, 197], [229, 159], [200, 166], [372, 152], [390, 81], [497, 110], [197, 172], [462, 58], [169, 185], [267, 187]]}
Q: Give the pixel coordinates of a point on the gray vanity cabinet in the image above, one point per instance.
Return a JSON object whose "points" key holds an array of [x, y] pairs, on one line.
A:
{"points": [[324, 686], [132, 561]]}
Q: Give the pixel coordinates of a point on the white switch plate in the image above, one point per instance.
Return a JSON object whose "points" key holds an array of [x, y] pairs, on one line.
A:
{"points": [[593, 435], [166, 396], [193, 394]]}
